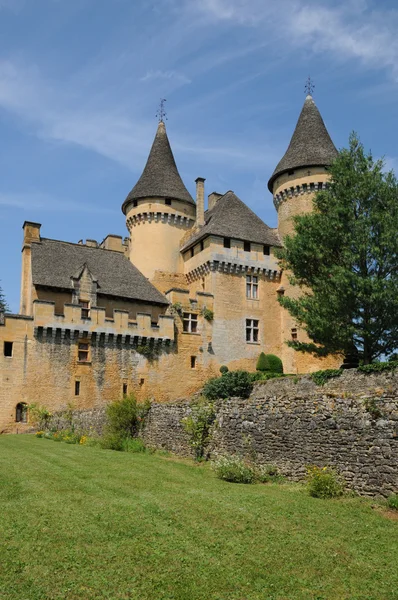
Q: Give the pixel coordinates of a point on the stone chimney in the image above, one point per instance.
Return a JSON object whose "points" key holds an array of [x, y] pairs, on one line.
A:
{"points": [[91, 243], [200, 201], [31, 233], [113, 242], [213, 199]]}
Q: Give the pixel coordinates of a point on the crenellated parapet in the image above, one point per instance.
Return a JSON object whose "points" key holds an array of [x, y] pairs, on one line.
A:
{"points": [[298, 190], [190, 302], [97, 326], [159, 217], [231, 260]]}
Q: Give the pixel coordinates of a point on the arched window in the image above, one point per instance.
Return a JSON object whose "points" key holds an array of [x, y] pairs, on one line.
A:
{"points": [[21, 413]]}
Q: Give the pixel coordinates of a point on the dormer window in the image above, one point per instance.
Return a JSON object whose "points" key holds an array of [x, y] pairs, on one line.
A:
{"points": [[135, 203], [266, 250], [246, 246], [227, 242], [168, 201], [85, 306]]}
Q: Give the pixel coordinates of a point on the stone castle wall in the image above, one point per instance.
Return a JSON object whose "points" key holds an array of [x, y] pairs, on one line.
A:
{"points": [[351, 423]]}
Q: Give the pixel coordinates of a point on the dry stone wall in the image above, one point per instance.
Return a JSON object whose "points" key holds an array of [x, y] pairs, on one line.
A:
{"points": [[351, 423]]}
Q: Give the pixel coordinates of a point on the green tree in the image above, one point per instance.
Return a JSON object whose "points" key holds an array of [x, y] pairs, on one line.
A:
{"points": [[3, 303], [344, 256]]}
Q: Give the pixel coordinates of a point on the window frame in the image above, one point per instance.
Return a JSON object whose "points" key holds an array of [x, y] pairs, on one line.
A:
{"points": [[22, 410], [252, 330], [83, 353], [247, 247], [77, 387], [190, 322], [9, 345], [252, 287], [85, 309]]}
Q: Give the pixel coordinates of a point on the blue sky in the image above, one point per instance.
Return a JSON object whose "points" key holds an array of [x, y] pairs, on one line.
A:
{"points": [[80, 81]]}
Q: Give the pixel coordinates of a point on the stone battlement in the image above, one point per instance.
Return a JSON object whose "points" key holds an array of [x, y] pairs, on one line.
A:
{"points": [[45, 319]]}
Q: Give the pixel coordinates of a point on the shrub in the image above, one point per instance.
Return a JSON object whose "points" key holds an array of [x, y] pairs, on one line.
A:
{"points": [[113, 441], [321, 377], [223, 369], [126, 417], [39, 434], [232, 383], [379, 367], [135, 445], [39, 416], [373, 408], [268, 474], [392, 502], [208, 314], [261, 362], [271, 363], [198, 425], [264, 376], [234, 469], [324, 482]]}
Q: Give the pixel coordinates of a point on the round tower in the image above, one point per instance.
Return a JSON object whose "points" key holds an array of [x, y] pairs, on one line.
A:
{"points": [[159, 210], [303, 169]]}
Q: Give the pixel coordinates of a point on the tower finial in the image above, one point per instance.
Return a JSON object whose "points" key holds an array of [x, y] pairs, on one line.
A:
{"points": [[161, 112], [309, 86]]}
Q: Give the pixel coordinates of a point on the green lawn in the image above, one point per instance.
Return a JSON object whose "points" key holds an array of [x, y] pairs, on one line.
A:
{"points": [[82, 523]]}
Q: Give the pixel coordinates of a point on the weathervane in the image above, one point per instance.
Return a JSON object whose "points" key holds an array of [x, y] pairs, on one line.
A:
{"points": [[161, 112], [309, 86]]}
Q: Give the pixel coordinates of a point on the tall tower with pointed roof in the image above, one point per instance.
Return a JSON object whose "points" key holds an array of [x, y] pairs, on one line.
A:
{"points": [[159, 210], [302, 171]]}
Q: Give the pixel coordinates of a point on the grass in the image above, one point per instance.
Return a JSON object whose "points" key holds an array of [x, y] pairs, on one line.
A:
{"points": [[85, 523]]}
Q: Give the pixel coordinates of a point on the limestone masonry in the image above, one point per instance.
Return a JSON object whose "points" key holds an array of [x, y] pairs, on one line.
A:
{"points": [[351, 423], [159, 311]]}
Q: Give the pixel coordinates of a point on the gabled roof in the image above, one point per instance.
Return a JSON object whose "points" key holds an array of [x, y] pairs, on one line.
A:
{"points": [[55, 263], [310, 145], [230, 217], [160, 176]]}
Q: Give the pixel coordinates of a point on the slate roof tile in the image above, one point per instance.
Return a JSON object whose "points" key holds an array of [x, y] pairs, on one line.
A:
{"points": [[160, 176], [230, 217], [310, 145], [54, 263]]}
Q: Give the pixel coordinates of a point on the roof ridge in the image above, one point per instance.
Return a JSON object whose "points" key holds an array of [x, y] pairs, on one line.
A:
{"points": [[79, 245]]}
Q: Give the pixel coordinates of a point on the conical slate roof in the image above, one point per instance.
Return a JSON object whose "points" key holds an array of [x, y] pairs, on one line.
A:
{"points": [[160, 176], [310, 146], [230, 217]]}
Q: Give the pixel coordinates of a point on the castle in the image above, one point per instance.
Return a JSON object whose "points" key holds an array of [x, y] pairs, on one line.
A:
{"points": [[158, 312]]}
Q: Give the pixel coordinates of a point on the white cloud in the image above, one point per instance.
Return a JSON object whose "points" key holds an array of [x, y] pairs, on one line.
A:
{"points": [[349, 30], [167, 75]]}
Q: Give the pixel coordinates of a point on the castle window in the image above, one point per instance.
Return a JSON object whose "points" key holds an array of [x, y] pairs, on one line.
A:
{"points": [[124, 389], [83, 351], [202, 245], [192, 251], [21, 413], [190, 322], [8, 349], [252, 287], [85, 306], [290, 172], [252, 330], [294, 333], [168, 201], [246, 246], [135, 203], [227, 242], [142, 381], [266, 250], [77, 387], [193, 362]]}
